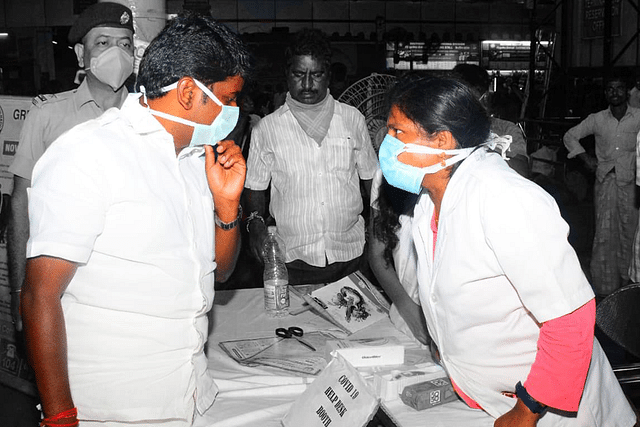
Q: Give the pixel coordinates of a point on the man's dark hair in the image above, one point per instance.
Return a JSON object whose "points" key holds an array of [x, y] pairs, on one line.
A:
{"points": [[192, 45], [309, 42], [617, 76], [474, 76]]}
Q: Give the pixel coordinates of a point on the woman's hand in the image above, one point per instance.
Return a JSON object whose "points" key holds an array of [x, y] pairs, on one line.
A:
{"points": [[414, 317], [518, 416]]}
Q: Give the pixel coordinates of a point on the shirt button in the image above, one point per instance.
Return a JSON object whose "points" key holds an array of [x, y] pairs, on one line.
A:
{"points": [[433, 298]]}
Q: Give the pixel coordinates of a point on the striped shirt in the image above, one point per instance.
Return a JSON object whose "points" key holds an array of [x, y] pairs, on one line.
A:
{"points": [[315, 189]]}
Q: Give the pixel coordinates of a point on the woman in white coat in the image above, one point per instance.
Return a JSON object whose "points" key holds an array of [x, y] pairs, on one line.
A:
{"points": [[502, 291]]}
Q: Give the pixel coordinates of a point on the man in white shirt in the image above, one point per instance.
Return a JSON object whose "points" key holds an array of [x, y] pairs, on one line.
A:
{"points": [[130, 216], [314, 152], [615, 130]]}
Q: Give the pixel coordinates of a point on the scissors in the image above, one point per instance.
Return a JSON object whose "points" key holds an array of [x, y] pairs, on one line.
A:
{"points": [[295, 333]]}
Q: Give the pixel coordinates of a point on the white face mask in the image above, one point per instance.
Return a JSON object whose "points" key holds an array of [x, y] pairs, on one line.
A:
{"points": [[204, 134], [112, 67]]}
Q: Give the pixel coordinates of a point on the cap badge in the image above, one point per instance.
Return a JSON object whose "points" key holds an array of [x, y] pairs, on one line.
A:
{"points": [[124, 19]]}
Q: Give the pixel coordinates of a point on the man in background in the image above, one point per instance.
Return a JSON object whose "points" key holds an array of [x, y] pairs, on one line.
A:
{"points": [[102, 37], [314, 152], [131, 213], [477, 79], [616, 217]]}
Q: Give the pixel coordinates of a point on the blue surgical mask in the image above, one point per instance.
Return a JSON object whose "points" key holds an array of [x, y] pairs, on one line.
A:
{"points": [[409, 178], [203, 134], [406, 177]]}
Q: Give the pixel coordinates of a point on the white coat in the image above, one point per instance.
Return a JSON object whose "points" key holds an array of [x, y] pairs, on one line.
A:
{"points": [[502, 267]]}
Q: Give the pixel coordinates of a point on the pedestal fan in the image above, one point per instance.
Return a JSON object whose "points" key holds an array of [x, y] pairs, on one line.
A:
{"points": [[368, 96]]}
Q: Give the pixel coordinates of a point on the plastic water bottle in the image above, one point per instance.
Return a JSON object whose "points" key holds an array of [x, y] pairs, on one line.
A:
{"points": [[275, 277]]}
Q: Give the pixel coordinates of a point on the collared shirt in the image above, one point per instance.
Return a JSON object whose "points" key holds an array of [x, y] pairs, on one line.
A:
{"points": [[501, 267], [315, 188], [49, 117], [112, 196], [615, 142]]}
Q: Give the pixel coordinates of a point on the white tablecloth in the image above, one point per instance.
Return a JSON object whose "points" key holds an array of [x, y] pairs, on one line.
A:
{"points": [[260, 397]]}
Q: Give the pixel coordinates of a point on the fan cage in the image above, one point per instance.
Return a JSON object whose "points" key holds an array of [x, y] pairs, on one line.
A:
{"points": [[368, 96]]}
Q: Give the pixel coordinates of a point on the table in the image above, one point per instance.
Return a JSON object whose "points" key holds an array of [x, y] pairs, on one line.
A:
{"points": [[252, 397]]}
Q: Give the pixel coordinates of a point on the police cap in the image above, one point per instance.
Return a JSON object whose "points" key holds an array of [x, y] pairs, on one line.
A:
{"points": [[106, 14]]}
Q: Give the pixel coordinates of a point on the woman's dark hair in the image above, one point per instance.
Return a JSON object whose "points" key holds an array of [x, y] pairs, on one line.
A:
{"points": [[442, 104], [434, 104], [391, 203], [192, 45]]}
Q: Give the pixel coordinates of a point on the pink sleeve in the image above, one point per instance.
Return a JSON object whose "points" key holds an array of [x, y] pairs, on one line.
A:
{"points": [[559, 372]]}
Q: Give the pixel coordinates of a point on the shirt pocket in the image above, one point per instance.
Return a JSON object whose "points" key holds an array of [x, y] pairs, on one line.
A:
{"points": [[340, 152]]}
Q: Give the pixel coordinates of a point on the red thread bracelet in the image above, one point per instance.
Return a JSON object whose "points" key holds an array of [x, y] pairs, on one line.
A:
{"points": [[51, 421], [74, 424]]}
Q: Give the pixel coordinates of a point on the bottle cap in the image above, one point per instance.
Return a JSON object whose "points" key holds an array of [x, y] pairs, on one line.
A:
{"points": [[271, 229]]}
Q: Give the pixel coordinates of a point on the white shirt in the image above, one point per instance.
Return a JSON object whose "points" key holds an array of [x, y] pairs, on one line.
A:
{"points": [[111, 195], [615, 142], [315, 189], [502, 267]]}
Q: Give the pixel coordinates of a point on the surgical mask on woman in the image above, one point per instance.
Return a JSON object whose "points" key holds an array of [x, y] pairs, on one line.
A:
{"points": [[112, 67], [203, 134], [409, 178]]}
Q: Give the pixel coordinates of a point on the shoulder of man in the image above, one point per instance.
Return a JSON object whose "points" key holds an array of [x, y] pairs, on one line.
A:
{"points": [[272, 117], [44, 100], [342, 108], [633, 110]]}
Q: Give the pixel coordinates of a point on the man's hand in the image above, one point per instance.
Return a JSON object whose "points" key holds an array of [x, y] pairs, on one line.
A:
{"points": [[519, 416], [257, 236], [15, 311], [225, 177], [17, 236], [256, 201]]}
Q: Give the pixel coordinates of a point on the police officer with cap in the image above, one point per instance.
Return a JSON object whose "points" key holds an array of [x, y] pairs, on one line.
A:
{"points": [[103, 42]]}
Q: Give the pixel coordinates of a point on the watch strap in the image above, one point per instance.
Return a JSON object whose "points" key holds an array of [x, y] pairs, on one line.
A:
{"points": [[533, 405], [228, 225]]}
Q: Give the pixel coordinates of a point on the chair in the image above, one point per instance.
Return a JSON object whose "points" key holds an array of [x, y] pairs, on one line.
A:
{"points": [[618, 317]]}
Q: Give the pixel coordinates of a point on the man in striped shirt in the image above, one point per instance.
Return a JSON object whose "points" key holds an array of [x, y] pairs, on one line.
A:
{"points": [[314, 152]]}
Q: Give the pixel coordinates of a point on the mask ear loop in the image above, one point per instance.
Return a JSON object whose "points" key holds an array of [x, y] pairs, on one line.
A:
{"points": [[143, 91], [499, 142], [208, 92]]}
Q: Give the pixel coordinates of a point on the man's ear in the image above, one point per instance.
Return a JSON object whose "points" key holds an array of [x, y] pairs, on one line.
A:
{"points": [[79, 50], [185, 92], [445, 140]]}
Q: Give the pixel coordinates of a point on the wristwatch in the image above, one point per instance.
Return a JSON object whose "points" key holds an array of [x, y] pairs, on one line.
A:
{"points": [[228, 225], [533, 405]]}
